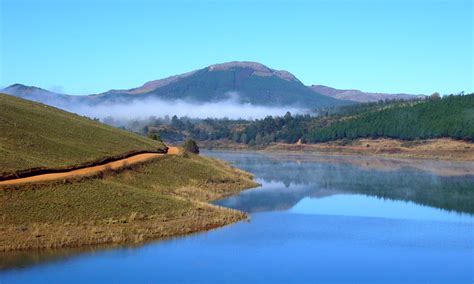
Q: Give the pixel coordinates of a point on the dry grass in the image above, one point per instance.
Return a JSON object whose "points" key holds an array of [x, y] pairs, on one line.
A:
{"points": [[134, 229], [443, 149]]}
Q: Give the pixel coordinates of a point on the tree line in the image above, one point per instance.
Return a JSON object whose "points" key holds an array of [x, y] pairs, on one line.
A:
{"points": [[448, 116]]}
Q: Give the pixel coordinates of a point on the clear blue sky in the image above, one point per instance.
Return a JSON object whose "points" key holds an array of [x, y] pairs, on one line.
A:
{"points": [[80, 46]]}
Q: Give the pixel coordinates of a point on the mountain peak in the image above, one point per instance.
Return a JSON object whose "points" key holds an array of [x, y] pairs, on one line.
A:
{"points": [[20, 86], [239, 64], [258, 69]]}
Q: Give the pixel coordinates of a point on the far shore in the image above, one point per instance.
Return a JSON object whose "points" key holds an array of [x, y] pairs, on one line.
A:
{"points": [[433, 149]]}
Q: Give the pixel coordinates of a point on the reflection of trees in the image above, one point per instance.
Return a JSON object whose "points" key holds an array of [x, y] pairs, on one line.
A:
{"points": [[414, 181]]}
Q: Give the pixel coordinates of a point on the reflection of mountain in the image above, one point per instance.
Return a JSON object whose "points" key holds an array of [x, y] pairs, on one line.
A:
{"points": [[273, 196], [315, 176]]}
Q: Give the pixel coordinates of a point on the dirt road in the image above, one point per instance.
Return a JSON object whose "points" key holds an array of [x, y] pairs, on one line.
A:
{"points": [[93, 170]]}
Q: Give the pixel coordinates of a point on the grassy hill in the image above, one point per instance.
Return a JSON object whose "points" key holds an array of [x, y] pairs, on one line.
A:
{"points": [[162, 197], [35, 135]]}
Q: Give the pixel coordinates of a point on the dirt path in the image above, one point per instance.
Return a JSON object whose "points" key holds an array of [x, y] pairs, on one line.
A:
{"points": [[90, 170]]}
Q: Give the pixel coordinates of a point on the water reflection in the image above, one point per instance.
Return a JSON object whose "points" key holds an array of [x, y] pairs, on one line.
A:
{"points": [[288, 179], [373, 207], [24, 259]]}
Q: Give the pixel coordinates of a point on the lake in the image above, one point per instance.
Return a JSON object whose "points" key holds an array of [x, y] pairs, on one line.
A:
{"points": [[315, 219]]}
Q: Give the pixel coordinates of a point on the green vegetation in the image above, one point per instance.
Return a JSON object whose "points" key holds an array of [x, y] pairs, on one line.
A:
{"points": [[191, 146], [271, 129], [450, 116], [35, 135], [149, 188]]}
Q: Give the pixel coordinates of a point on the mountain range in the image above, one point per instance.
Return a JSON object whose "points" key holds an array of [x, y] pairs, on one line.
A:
{"points": [[242, 82], [360, 96]]}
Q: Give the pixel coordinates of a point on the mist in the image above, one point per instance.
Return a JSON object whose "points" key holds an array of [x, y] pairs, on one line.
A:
{"points": [[232, 107], [144, 108]]}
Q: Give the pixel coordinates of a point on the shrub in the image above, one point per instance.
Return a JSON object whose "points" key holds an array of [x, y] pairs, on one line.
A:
{"points": [[154, 136], [191, 146]]}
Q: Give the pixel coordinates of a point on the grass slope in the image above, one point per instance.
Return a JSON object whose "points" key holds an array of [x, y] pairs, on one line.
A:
{"points": [[161, 198], [35, 135]]}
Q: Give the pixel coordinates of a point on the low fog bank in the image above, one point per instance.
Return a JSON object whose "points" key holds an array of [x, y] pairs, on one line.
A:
{"points": [[142, 109], [231, 106]]}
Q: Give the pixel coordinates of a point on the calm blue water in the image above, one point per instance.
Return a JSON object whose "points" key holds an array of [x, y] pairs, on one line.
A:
{"points": [[316, 219]]}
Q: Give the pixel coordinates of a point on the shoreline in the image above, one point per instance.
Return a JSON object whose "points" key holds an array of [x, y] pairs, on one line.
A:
{"points": [[11, 257], [205, 218], [433, 149], [189, 208]]}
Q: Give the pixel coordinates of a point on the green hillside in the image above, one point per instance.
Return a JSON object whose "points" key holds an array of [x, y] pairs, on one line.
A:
{"points": [[161, 197], [35, 135], [450, 116]]}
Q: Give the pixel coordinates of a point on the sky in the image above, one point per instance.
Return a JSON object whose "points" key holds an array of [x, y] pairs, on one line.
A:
{"points": [[84, 46]]}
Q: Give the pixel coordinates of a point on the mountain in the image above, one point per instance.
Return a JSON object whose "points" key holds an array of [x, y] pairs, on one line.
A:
{"points": [[360, 96], [243, 82], [240, 82]]}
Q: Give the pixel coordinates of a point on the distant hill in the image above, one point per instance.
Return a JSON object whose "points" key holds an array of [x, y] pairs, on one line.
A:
{"points": [[36, 135], [360, 96], [39, 95], [243, 82]]}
